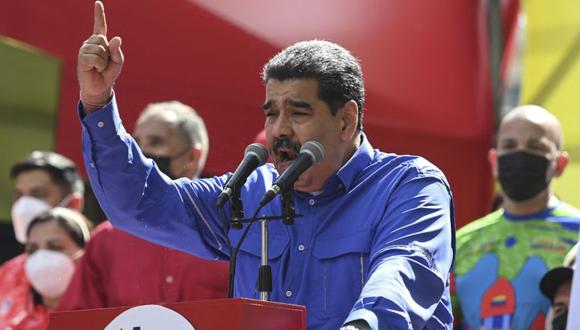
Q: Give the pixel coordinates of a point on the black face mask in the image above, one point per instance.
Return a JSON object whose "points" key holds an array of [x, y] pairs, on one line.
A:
{"points": [[522, 175], [559, 322], [163, 163]]}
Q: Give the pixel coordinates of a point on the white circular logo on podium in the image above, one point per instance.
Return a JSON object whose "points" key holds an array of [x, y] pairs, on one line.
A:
{"points": [[149, 317]]}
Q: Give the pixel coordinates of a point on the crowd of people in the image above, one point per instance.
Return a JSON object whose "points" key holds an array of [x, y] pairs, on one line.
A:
{"points": [[65, 268], [401, 266]]}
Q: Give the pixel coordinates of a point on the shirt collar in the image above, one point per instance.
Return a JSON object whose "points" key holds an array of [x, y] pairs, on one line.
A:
{"points": [[542, 214], [359, 160]]}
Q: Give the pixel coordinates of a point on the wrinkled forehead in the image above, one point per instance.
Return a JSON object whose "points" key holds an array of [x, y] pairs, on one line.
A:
{"points": [[284, 90], [529, 128]]}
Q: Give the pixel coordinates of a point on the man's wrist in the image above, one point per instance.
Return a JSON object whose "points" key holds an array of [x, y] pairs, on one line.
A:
{"points": [[92, 104]]}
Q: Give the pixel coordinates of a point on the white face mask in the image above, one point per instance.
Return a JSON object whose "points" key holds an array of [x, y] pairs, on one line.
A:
{"points": [[49, 272], [27, 208], [23, 211]]}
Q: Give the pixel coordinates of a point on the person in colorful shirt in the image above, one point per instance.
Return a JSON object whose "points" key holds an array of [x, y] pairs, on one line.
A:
{"points": [[502, 256]]}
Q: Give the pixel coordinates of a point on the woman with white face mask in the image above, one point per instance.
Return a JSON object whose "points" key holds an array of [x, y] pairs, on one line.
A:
{"points": [[55, 239]]}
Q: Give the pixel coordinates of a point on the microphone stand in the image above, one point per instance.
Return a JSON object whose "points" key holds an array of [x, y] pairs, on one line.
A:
{"points": [[237, 221], [265, 271]]}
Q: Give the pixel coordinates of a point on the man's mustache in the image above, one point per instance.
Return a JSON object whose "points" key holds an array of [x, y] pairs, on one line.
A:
{"points": [[286, 143]]}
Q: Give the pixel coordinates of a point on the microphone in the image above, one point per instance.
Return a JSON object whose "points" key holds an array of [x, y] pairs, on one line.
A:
{"points": [[255, 155], [310, 153]]}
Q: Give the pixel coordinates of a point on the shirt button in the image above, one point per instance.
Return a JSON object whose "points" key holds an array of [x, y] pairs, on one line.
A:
{"points": [[169, 279], [100, 124], [311, 202], [288, 293], [92, 165], [301, 247]]}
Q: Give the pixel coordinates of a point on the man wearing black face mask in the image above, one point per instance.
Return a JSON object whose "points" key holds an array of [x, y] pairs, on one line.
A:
{"points": [[502, 257], [175, 137], [119, 269]]}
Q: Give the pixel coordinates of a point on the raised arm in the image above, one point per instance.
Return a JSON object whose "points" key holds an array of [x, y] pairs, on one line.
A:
{"points": [[136, 196], [99, 63]]}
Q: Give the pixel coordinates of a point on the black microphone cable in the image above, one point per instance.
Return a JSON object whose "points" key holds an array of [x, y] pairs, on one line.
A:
{"points": [[230, 250], [234, 255]]}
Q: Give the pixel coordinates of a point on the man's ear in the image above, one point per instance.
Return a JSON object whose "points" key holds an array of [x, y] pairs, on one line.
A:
{"points": [[561, 163], [349, 120], [76, 202], [193, 158], [492, 158]]}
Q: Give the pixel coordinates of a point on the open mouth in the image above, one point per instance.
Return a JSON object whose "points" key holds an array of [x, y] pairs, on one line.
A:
{"points": [[285, 157], [285, 152]]}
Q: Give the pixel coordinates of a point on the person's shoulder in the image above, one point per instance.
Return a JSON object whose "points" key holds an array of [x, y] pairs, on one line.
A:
{"points": [[489, 221], [103, 230], [405, 166], [106, 233], [566, 210], [566, 215], [13, 269], [103, 235], [477, 238], [404, 162], [14, 263], [103, 227]]}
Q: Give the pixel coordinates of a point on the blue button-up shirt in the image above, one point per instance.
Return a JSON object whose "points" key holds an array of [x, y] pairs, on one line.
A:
{"points": [[376, 244]]}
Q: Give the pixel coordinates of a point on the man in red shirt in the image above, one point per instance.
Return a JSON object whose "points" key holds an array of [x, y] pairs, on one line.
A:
{"points": [[119, 269]]}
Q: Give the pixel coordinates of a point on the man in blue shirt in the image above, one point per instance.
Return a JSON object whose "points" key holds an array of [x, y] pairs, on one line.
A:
{"points": [[376, 243]]}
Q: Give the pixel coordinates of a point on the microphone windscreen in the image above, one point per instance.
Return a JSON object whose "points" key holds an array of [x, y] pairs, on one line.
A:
{"points": [[258, 150], [315, 149]]}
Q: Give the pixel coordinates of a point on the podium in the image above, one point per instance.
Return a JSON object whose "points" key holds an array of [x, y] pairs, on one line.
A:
{"points": [[229, 314]]}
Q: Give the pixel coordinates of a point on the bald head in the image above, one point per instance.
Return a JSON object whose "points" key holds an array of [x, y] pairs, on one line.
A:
{"points": [[190, 127], [174, 130], [532, 123], [527, 156]]}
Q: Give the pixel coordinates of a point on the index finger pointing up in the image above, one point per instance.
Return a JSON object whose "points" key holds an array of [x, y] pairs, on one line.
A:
{"points": [[100, 24]]}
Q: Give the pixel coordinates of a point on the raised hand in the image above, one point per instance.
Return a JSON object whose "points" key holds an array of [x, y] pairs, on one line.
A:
{"points": [[99, 63]]}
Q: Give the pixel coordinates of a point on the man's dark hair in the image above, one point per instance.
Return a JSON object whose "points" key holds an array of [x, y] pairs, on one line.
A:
{"points": [[338, 73], [62, 170]]}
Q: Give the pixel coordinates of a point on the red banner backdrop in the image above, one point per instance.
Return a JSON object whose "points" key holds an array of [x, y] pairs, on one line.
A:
{"points": [[425, 64]]}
